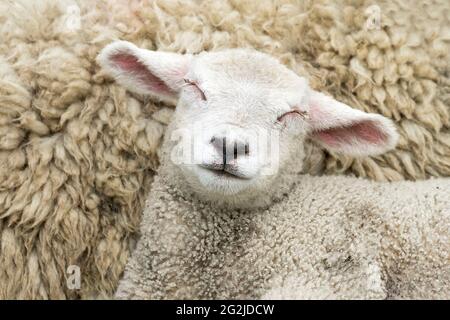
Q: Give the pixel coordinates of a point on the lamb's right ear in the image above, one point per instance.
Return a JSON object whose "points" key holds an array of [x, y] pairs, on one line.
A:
{"points": [[143, 71], [340, 128]]}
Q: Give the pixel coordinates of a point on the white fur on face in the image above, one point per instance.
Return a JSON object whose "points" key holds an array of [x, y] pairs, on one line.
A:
{"points": [[241, 115], [244, 101]]}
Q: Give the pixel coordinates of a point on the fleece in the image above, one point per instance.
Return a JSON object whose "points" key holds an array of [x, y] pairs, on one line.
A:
{"points": [[78, 153], [327, 238]]}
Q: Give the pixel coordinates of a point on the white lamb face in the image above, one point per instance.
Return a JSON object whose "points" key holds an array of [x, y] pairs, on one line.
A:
{"points": [[241, 116]]}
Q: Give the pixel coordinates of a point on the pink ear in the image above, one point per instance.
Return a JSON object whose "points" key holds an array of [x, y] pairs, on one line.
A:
{"points": [[131, 65], [340, 128], [144, 71]]}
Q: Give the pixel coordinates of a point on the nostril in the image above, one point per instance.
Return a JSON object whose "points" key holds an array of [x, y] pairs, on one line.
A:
{"points": [[230, 149], [220, 144], [247, 149], [241, 149]]}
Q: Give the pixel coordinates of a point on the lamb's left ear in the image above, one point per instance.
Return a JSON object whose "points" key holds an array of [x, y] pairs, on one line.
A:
{"points": [[340, 128], [143, 71]]}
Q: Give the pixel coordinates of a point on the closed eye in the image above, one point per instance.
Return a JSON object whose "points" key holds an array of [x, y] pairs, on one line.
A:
{"points": [[292, 113], [196, 87]]}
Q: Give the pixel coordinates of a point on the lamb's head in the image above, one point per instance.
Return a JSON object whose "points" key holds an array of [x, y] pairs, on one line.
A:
{"points": [[241, 118]]}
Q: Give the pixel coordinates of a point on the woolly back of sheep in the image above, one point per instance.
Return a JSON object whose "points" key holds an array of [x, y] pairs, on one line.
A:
{"points": [[77, 152]]}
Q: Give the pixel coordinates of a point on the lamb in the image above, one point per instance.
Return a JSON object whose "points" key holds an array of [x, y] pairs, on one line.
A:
{"points": [[230, 218], [77, 152]]}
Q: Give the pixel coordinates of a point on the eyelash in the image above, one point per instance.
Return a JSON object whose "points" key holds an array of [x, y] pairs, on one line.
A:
{"points": [[301, 113], [195, 85]]}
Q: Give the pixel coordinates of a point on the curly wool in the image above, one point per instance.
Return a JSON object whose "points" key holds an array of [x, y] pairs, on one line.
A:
{"points": [[77, 152], [327, 238]]}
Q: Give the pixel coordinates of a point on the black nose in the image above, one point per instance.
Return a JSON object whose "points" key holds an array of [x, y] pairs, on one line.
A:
{"points": [[230, 148]]}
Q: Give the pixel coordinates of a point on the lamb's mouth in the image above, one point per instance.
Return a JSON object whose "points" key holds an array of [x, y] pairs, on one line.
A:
{"points": [[225, 171]]}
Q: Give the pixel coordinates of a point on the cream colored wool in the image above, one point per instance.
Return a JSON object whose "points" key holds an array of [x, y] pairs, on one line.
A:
{"points": [[77, 152], [326, 238]]}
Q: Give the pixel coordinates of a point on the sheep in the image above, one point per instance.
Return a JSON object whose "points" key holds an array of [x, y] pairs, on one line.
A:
{"points": [[227, 218], [78, 152]]}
